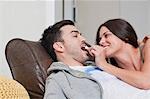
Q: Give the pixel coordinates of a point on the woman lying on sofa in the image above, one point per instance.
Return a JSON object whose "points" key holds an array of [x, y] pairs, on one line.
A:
{"points": [[129, 75], [118, 41]]}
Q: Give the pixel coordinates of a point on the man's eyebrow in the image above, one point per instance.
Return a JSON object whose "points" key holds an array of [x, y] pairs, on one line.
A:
{"points": [[75, 31]]}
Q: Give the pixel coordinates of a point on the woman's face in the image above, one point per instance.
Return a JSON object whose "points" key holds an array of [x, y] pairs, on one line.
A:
{"points": [[110, 41]]}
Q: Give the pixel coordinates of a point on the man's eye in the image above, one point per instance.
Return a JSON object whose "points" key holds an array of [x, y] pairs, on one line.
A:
{"points": [[75, 36]]}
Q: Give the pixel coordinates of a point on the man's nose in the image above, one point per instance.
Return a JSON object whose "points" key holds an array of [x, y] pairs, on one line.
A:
{"points": [[82, 38]]}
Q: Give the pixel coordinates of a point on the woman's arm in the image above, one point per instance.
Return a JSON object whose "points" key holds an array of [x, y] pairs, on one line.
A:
{"points": [[139, 79]]}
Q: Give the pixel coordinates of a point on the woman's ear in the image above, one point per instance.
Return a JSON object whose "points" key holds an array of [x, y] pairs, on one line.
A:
{"points": [[58, 46]]}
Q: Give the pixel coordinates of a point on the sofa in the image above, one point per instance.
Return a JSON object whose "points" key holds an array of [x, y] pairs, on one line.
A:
{"points": [[28, 62]]}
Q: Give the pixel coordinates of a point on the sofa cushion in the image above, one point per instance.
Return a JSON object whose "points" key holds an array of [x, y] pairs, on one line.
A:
{"points": [[28, 62]]}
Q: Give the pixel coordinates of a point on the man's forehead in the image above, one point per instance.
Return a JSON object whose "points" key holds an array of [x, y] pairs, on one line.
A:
{"points": [[68, 28]]}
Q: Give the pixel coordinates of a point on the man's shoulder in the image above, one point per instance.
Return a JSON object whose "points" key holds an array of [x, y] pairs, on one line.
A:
{"points": [[57, 76], [57, 66]]}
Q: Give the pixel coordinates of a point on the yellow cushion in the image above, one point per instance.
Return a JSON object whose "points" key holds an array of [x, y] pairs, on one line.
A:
{"points": [[11, 89]]}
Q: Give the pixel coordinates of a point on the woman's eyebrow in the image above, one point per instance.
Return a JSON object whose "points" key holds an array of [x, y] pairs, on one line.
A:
{"points": [[106, 32]]}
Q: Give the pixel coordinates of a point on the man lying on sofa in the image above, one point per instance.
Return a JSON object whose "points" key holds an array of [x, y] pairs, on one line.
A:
{"points": [[64, 43]]}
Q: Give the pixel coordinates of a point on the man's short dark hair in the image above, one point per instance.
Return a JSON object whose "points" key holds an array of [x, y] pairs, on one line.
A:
{"points": [[53, 34]]}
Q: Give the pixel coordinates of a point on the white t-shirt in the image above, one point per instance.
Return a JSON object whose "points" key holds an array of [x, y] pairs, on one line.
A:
{"points": [[113, 88]]}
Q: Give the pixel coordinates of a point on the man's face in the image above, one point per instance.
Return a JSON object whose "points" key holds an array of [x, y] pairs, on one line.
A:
{"points": [[73, 41]]}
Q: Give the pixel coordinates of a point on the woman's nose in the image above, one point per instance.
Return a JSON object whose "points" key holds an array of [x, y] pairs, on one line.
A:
{"points": [[102, 41]]}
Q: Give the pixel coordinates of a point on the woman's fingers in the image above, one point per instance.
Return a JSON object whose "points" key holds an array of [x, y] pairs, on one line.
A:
{"points": [[97, 50]]}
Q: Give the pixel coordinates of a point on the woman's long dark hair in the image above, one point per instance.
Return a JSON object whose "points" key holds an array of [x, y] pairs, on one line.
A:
{"points": [[123, 30]]}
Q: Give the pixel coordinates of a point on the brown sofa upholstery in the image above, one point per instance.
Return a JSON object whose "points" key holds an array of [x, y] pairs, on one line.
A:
{"points": [[28, 62]]}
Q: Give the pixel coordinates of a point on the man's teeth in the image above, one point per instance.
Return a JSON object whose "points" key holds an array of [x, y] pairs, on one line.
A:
{"points": [[86, 47]]}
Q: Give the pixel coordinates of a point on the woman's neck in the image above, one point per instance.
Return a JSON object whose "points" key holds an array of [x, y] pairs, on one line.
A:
{"points": [[129, 59]]}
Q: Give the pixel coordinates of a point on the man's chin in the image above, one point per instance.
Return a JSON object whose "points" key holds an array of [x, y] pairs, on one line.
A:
{"points": [[87, 58], [85, 55]]}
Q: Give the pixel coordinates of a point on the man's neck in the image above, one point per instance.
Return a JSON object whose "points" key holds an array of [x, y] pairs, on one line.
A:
{"points": [[70, 62]]}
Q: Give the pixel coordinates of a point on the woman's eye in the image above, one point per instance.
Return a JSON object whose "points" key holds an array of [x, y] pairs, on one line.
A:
{"points": [[106, 35], [100, 38]]}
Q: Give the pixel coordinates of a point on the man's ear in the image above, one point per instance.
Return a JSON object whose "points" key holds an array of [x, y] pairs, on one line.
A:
{"points": [[58, 46]]}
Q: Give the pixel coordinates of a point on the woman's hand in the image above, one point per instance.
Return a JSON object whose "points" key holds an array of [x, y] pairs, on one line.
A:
{"points": [[99, 53], [146, 38], [142, 43], [145, 45]]}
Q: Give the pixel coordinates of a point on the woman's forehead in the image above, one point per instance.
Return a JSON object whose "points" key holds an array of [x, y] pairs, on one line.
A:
{"points": [[104, 30]]}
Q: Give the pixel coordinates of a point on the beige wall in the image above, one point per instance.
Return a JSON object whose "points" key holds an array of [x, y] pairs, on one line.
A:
{"points": [[92, 13], [24, 19], [137, 13]]}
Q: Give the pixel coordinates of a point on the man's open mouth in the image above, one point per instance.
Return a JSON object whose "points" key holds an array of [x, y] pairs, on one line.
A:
{"points": [[85, 46]]}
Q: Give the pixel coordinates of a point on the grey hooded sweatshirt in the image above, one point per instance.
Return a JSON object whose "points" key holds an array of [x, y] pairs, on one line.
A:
{"points": [[66, 83]]}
